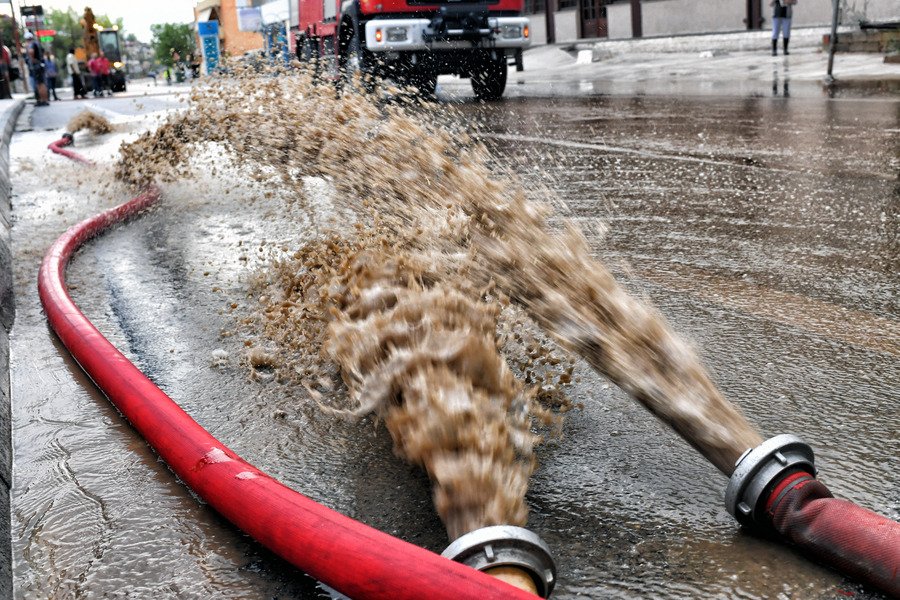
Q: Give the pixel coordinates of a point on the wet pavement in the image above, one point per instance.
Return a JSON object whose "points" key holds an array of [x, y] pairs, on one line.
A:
{"points": [[765, 229]]}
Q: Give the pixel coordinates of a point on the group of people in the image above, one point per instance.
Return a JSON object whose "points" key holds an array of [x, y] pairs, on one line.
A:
{"points": [[44, 72], [99, 69]]}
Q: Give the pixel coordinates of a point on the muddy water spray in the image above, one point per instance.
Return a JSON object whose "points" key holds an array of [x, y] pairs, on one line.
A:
{"points": [[86, 119], [415, 345]]}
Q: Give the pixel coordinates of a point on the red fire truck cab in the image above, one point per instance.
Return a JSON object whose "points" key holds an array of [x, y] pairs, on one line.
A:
{"points": [[414, 41]]}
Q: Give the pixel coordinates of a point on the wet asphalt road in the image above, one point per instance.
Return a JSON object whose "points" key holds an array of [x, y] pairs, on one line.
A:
{"points": [[765, 229]]}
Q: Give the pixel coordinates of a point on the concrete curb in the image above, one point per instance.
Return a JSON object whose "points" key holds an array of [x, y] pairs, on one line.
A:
{"points": [[7, 315]]}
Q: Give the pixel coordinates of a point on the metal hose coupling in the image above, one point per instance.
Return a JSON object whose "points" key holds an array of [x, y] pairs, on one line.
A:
{"points": [[759, 470], [491, 548]]}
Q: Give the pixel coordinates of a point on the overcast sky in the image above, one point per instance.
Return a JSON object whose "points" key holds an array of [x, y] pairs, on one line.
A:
{"points": [[137, 15]]}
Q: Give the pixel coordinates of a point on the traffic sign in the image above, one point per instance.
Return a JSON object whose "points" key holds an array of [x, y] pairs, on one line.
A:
{"points": [[207, 28], [209, 43], [46, 32], [46, 39]]}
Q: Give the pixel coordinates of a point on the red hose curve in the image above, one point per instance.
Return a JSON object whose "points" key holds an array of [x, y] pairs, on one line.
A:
{"points": [[847, 537], [349, 556], [59, 147]]}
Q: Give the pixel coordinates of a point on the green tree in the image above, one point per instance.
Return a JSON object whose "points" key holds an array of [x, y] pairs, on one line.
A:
{"points": [[6, 32], [68, 32], [172, 37], [108, 23]]}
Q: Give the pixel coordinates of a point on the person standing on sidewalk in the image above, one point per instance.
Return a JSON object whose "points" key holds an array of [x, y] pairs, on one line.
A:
{"points": [[105, 81], [94, 68], [782, 11], [35, 55], [5, 72], [74, 69], [52, 72]]}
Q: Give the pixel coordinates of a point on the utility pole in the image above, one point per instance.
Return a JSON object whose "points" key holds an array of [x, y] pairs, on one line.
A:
{"points": [[832, 41]]}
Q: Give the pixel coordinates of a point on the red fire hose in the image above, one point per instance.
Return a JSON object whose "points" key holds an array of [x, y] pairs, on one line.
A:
{"points": [[773, 488], [353, 558], [853, 540]]}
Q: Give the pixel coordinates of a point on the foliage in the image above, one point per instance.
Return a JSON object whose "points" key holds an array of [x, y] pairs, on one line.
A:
{"points": [[172, 37], [68, 32], [6, 29]]}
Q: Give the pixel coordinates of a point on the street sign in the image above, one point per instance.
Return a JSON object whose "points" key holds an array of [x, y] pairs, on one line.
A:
{"points": [[46, 32], [207, 28], [46, 39], [209, 43], [32, 11]]}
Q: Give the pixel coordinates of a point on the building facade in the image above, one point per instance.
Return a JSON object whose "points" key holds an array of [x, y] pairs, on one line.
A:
{"points": [[246, 25], [235, 36], [570, 20]]}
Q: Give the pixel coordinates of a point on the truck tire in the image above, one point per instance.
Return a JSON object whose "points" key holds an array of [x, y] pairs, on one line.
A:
{"points": [[354, 61], [489, 78], [308, 54], [307, 50]]}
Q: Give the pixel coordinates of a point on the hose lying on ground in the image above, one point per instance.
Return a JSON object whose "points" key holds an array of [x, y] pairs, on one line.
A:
{"points": [[766, 490], [353, 558], [774, 490], [847, 537]]}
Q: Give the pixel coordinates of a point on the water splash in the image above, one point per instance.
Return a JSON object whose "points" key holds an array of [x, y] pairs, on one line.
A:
{"points": [[407, 301]]}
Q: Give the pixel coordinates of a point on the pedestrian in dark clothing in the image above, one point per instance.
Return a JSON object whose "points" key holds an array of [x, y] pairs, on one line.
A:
{"points": [[52, 71], [782, 11], [35, 55]]}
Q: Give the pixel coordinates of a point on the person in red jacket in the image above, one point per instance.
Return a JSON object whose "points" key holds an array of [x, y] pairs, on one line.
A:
{"points": [[94, 68], [103, 68]]}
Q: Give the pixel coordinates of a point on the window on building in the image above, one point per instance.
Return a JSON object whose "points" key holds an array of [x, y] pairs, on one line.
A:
{"points": [[564, 4], [591, 10]]}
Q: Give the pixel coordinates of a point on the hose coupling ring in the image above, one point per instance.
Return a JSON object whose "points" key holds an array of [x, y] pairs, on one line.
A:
{"points": [[506, 546]]}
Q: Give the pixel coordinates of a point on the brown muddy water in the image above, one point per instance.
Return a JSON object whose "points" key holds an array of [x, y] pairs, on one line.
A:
{"points": [[774, 253]]}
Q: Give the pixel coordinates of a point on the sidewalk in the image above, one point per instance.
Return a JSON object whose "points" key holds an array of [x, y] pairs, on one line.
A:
{"points": [[727, 64], [9, 112]]}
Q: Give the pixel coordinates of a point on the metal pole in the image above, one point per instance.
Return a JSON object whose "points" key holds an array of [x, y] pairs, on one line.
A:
{"points": [[832, 41]]}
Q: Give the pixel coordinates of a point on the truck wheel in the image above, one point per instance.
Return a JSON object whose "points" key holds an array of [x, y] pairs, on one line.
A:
{"points": [[308, 53], [355, 62], [489, 78]]}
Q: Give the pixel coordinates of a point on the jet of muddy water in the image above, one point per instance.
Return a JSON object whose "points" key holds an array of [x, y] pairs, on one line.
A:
{"points": [[87, 119], [426, 359], [413, 330]]}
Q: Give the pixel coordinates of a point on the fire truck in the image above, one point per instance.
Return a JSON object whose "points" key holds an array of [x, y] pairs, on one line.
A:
{"points": [[414, 41]]}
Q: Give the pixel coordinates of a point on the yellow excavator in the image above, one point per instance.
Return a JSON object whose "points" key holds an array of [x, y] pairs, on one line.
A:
{"points": [[97, 38]]}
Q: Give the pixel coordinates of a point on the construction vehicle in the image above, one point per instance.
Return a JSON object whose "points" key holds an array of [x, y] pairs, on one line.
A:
{"points": [[98, 38], [413, 41]]}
